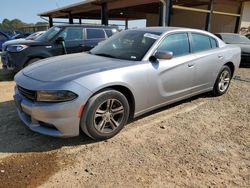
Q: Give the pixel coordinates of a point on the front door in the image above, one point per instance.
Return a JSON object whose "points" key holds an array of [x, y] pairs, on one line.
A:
{"points": [[172, 79]]}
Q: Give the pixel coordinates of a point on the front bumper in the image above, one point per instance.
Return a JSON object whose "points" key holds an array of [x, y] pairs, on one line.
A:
{"points": [[52, 119], [13, 61]]}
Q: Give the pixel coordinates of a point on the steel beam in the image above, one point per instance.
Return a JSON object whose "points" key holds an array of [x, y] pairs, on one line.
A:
{"points": [[166, 8], [50, 21], [237, 24], [209, 15], [71, 21], [104, 14]]}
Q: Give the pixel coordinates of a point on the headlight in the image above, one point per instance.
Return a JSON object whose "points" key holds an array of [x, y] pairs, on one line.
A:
{"points": [[16, 48], [55, 96]]}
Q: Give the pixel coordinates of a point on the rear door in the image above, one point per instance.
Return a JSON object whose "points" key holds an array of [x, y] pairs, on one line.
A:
{"points": [[93, 37], [207, 63]]}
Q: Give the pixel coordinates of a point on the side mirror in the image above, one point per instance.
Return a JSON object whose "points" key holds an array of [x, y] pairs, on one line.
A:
{"points": [[163, 55], [60, 40]]}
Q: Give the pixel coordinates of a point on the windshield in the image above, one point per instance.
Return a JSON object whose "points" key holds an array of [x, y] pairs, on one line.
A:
{"points": [[129, 45], [235, 39], [48, 35]]}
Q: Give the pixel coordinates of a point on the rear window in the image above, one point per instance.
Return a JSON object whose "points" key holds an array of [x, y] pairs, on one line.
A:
{"points": [[200, 42], [95, 34], [110, 32], [213, 43]]}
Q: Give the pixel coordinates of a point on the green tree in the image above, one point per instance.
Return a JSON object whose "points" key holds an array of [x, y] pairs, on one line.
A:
{"points": [[16, 23], [6, 24], [41, 23]]}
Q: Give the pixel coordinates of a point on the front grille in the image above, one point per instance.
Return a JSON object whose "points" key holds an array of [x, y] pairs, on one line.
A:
{"points": [[29, 94]]}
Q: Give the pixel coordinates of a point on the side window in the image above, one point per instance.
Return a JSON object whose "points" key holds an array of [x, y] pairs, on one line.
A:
{"points": [[72, 34], [3, 37], [176, 43], [213, 43], [200, 42], [109, 32], [95, 34]]}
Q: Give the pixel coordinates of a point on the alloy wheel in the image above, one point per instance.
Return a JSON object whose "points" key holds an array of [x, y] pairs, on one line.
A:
{"points": [[224, 81], [108, 116]]}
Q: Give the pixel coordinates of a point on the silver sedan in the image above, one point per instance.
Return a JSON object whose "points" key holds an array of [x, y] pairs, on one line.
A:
{"points": [[130, 74]]}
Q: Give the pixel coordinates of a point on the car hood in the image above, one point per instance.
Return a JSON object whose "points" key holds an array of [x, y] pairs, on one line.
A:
{"points": [[70, 67], [23, 42]]}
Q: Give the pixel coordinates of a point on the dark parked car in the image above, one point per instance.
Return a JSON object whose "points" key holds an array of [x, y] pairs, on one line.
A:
{"points": [[239, 40], [58, 40], [3, 38], [248, 36], [21, 35]]}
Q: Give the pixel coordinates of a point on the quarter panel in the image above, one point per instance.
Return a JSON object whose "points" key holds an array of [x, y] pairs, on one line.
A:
{"points": [[132, 77]]}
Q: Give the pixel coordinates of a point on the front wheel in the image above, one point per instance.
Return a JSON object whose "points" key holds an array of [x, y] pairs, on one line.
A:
{"points": [[31, 61], [223, 81], [105, 115]]}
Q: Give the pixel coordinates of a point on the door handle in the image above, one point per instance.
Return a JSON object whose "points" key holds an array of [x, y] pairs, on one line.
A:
{"points": [[82, 45], [190, 65], [220, 56]]}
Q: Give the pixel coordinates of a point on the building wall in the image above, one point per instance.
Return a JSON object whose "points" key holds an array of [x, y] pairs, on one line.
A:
{"points": [[183, 18], [245, 19], [191, 19], [222, 23], [152, 20]]}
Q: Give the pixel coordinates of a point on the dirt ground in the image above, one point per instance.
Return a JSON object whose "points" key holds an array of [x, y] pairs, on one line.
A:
{"points": [[200, 142]]}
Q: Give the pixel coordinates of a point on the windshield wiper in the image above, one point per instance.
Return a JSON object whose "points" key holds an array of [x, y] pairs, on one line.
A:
{"points": [[105, 55]]}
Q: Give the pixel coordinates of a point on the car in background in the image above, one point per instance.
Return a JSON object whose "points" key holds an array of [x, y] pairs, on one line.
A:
{"points": [[239, 40], [33, 36], [58, 40], [3, 38], [30, 37], [131, 73], [21, 35], [248, 36]]}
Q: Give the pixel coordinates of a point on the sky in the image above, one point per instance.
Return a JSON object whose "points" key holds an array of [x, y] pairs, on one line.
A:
{"points": [[27, 10]]}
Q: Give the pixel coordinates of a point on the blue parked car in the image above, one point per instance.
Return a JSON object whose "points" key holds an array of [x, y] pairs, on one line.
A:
{"points": [[3, 38]]}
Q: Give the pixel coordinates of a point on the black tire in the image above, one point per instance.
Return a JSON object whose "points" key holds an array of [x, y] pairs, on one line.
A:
{"points": [[217, 91], [31, 61], [99, 102]]}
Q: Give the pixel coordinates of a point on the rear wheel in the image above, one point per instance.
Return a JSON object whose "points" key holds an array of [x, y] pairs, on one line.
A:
{"points": [[223, 81], [105, 115]]}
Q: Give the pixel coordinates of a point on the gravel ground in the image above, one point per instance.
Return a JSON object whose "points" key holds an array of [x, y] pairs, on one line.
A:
{"points": [[200, 142]]}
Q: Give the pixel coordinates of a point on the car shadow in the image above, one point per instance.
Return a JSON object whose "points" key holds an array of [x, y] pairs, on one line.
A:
{"points": [[203, 95], [15, 137], [5, 75]]}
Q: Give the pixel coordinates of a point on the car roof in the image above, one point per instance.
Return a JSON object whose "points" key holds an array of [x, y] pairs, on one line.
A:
{"points": [[86, 26], [162, 30], [227, 33]]}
